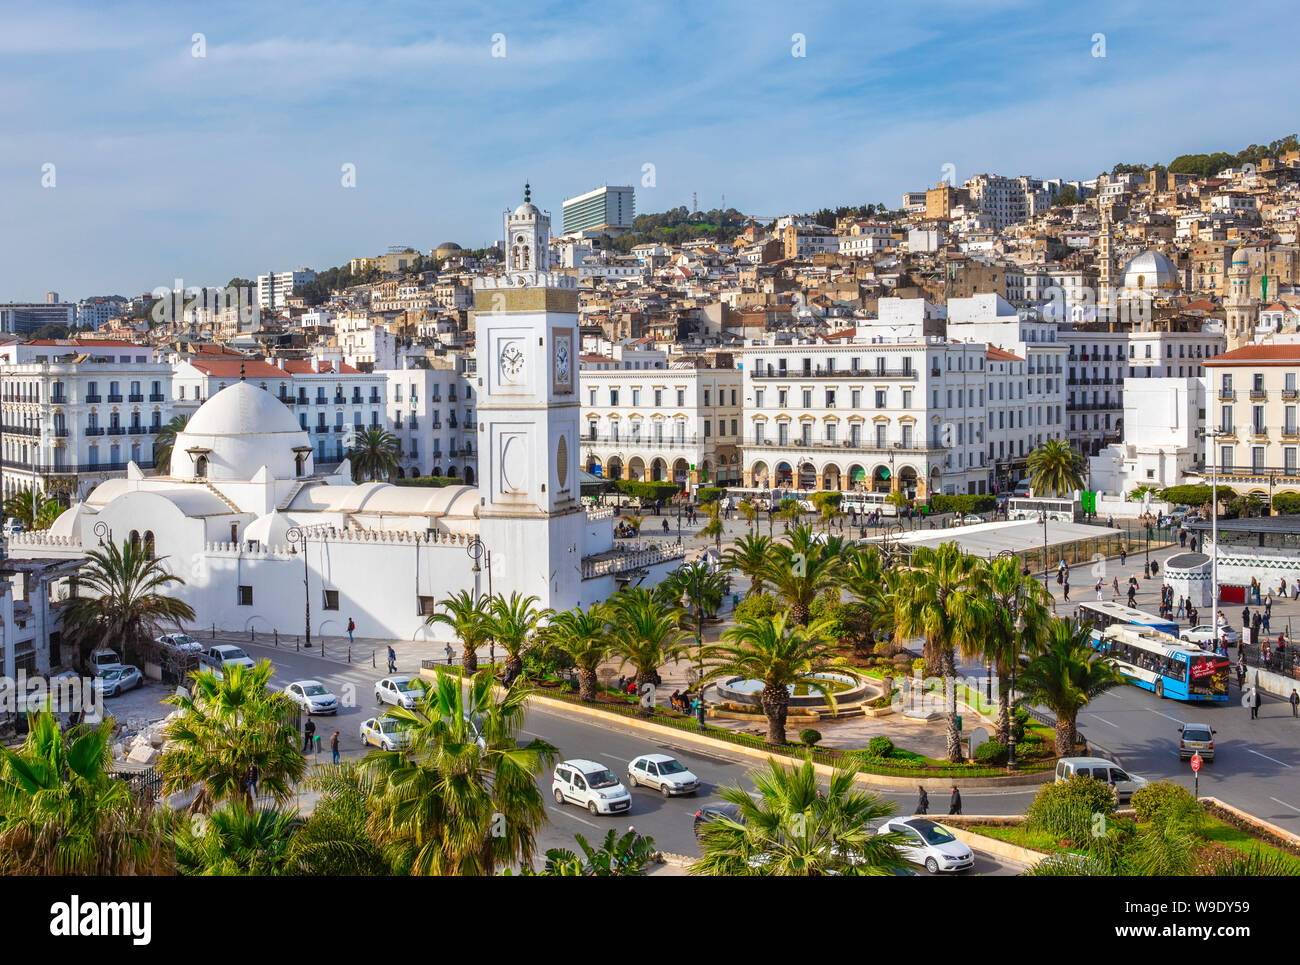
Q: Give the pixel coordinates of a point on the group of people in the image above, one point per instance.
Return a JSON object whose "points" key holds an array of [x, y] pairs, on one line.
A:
{"points": [[309, 740], [923, 801]]}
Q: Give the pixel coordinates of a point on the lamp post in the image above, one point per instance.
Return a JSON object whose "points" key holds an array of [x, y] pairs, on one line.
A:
{"points": [[1042, 518], [295, 535], [1214, 434], [1011, 697], [474, 550], [101, 530]]}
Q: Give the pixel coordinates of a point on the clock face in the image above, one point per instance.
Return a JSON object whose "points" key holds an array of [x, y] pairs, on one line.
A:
{"points": [[512, 360], [563, 362]]}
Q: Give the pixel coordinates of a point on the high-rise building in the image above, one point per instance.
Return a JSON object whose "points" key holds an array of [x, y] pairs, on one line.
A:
{"points": [[273, 288], [606, 208], [26, 319]]}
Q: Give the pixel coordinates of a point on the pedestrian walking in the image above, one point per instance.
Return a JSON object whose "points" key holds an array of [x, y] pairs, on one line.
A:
{"points": [[1100, 584], [1245, 615], [954, 806], [1146, 570], [253, 775], [308, 732], [1253, 698], [1241, 674], [1123, 556], [1182, 539], [1294, 700], [392, 660], [1182, 608], [449, 652], [351, 627], [334, 746], [922, 801], [1114, 582]]}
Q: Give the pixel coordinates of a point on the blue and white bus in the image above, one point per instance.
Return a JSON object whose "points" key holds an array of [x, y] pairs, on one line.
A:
{"points": [[1166, 666], [1105, 614]]}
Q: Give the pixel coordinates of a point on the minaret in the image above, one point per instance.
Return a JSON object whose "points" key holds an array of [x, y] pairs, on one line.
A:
{"points": [[1105, 268], [526, 326], [1241, 311]]}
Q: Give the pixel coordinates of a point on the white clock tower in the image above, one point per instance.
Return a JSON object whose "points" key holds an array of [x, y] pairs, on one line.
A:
{"points": [[526, 322]]}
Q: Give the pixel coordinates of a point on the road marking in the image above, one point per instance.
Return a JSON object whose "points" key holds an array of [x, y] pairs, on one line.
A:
{"points": [[565, 813], [1285, 805], [1105, 721], [612, 757], [1166, 717], [1267, 758]]}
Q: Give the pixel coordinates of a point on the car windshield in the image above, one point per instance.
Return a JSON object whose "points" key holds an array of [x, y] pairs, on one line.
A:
{"points": [[1196, 735], [183, 640], [406, 686], [933, 834], [601, 778], [233, 653], [671, 767], [391, 725], [112, 674], [314, 690]]}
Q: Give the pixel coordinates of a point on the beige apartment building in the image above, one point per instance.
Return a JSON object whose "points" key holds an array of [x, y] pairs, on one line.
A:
{"points": [[1254, 403]]}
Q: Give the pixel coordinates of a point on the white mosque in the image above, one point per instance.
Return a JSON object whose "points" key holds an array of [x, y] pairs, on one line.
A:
{"points": [[241, 505]]}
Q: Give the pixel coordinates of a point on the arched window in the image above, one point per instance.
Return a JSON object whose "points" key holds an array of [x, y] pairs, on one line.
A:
{"points": [[135, 539], [148, 544], [300, 464], [201, 467]]}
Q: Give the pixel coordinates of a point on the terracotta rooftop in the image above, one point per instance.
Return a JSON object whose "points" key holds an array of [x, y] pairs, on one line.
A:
{"points": [[1258, 355]]}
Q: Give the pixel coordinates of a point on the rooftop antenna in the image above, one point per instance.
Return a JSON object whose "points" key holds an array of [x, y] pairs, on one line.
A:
{"points": [[241, 371]]}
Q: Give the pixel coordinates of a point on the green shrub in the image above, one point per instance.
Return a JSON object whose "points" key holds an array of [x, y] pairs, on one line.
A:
{"points": [[991, 752], [1069, 809], [653, 491], [708, 494], [1189, 495], [1019, 720], [1162, 800], [962, 503], [881, 747], [918, 666], [810, 737], [759, 606], [1287, 504], [436, 482]]}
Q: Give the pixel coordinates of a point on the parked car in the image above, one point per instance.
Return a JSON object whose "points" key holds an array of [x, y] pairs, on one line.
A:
{"points": [[1204, 635], [13, 527], [971, 519], [386, 733], [179, 641], [711, 812], [224, 655], [312, 697], [118, 680], [1100, 769], [665, 774], [929, 844], [101, 660], [1196, 739], [590, 785], [399, 691]]}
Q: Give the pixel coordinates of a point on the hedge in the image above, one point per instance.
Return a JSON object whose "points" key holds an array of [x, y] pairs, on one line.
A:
{"points": [[707, 494], [962, 503], [435, 481], [1287, 504], [1191, 495], [656, 491]]}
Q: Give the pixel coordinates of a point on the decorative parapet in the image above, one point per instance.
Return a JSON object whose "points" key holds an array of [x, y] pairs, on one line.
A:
{"points": [[621, 562], [595, 515], [44, 539]]}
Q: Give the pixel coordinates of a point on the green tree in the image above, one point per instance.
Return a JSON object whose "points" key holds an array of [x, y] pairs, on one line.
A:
{"points": [[121, 599], [62, 813], [868, 581], [702, 588], [164, 440], [645, 634], [780, 655], [1065, 677], [1067, 197], [749, 510], [585, 636], [713, 528], [934, 600], [470, 619], [235, 840], [512, 623], [1055, 468], [227, 723], [748, 556], [374, 454], [803, 568], [32, 508], [791, 828], [618, 856], [464, 799], [334, 840]]}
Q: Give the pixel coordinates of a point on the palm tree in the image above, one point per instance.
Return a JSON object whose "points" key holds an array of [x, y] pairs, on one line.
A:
{"points": [[164, 440], [617, 856], [1004, 594], [803, 569], [702, 588], [780, 655], [62, 813], [464, 799], [749, 510], [123, 599], [713, 527], [374, 454], [511, 623], [748, 556], [237, 841], [227, 723], [645, 634], [469, 619], [583, 635], [1055, 468], [32, 508], [334, 840], [934, 600], [1066, 676], [792, 828]]}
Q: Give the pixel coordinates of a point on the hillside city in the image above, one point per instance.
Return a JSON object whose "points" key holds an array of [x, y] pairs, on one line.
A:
{"points": [[472, 560]]}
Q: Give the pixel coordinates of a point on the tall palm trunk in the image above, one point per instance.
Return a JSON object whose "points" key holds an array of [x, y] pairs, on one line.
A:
{"points": [[1004, 712], [799, 614], [776, 704], [587, 685], [950, 701], [643, 677], [1064, 736], [514, 665], [469, 659]]}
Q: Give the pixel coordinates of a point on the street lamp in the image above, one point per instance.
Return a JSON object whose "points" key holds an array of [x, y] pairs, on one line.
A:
{"points": [[1011, 697], [475, 550], [1042, 518], [1214, 525], [295, 535], [101, 530]]}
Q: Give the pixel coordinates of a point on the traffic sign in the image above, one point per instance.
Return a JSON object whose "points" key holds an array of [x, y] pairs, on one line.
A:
{"points": [[1196, 762]]}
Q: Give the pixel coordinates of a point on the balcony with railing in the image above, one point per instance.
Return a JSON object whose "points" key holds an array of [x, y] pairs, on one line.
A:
{"points": [[156, 397], [115, 397], [94, 397], [1258, 395], [1227, 395], [135, 397], [847, 445], [117, 430], [20, 430], [821, 372]]}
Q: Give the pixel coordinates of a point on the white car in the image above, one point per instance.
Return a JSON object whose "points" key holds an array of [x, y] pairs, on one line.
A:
{"points": [[399, 691], [1204, 635], [665, 774], [590, 785], [970, 519], [180, 641], [13, 527], [386, 733], [926, 843], [312, 697], [224, 655], [102, 660], [118, 680]]}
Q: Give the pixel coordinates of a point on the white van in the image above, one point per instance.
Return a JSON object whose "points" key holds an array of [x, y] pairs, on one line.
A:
{"points": [[590, 785], [102, 660], [1100, 769]]}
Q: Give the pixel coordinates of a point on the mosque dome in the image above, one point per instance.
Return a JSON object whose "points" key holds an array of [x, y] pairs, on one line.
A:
{"points": [[1150, 270], [447, 249], [236, 432], [526, 210], [1241, 257]]}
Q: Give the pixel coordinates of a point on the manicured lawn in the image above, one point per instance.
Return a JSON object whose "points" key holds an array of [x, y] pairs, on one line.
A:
{"points": [[1230, 837]]}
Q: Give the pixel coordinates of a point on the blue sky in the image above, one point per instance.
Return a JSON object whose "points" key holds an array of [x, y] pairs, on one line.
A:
{"points": [[170, 166]]}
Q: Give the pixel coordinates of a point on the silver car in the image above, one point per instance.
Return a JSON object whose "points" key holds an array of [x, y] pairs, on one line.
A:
{"points": [[118, 680]]}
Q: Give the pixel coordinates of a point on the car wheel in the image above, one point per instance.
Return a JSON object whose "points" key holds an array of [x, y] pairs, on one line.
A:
{"points": [[665, 790], [932, 866], [379, 701], [591, 806], [559, 796], [1160, 689], [631, 780]]}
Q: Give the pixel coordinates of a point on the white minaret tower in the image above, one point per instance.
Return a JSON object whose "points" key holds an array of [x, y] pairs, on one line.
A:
{"points": [[526, 328]]}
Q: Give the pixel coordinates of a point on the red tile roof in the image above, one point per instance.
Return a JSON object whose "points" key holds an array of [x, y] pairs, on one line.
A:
{"points": [[259, 369], [1258, 355], [87, 343], [1001, 355]]}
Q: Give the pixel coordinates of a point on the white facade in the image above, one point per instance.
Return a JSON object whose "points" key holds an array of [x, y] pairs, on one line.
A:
{"points": [[431, 412], [1161, 421], [274, 287]]}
